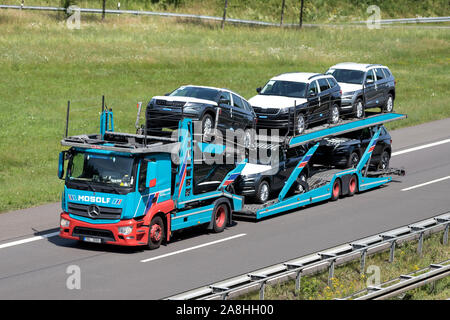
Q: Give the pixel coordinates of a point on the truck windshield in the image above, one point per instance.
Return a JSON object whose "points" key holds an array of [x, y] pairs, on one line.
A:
{"points": [[196, 92], [115, 171], [284, 88], [347, 76]]}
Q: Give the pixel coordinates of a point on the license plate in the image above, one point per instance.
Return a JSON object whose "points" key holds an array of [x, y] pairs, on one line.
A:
{"points": [[95, 240]]}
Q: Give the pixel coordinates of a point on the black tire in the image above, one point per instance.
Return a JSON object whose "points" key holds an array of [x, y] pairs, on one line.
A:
{"points": [[352, 185], [248, 135], [359, 109], [353, 160], [389, 104], [336, 190], [334, 114], [220, 215], [302, 183], [300, 124], [207, 124], [384, 161], [263, 192], [156, 233]]}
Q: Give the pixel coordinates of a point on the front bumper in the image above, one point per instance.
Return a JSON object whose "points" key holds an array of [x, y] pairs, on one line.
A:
{"points": [[105, 233]]}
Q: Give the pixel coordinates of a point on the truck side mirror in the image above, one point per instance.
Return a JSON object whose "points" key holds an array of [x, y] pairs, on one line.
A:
{"points": [[258, 90], [62, 155]]}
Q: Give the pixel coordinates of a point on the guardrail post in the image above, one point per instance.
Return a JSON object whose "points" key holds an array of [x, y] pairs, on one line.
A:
{"points": [[392, 251], [392, 241], [421, 234], [445, 240], [261, 290], [331, 272], [332, 257], [298, 279], [357, 246]]}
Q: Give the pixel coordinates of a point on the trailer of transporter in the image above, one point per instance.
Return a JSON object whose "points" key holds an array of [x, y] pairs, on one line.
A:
{"points": [[137, 190], [306, 183]]}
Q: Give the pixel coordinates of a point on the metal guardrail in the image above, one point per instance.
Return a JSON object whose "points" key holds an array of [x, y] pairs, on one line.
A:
{"points": [[214, 18], [320, 261], [404, 283]]}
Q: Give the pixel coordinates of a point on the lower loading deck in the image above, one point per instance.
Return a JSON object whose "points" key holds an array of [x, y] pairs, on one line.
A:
{"points": [[321, 186], [318, 179]]}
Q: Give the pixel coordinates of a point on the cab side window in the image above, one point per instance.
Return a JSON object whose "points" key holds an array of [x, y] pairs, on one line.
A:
{"points": [[142, 175]]}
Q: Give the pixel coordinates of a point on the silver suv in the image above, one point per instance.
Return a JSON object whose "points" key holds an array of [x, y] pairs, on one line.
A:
{"points": [[364, 86]]}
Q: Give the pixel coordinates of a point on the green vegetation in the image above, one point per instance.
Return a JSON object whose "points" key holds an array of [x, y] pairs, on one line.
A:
{"points": [[129, 59], [270, 10], [349, 280]]}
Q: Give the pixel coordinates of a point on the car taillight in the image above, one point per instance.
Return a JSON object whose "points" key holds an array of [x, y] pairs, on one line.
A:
{"points": [[340, 91]]}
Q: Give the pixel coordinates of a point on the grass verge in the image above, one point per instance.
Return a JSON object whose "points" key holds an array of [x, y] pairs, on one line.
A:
{"points": [[348, 279]]}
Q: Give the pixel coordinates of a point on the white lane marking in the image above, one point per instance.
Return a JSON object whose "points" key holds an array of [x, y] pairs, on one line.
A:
{"points": [[426, 183], [420, 147], [193, 248], [18, 242]]}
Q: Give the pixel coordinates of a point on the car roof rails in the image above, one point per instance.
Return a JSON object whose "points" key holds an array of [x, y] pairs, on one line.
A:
{"points": [[317, 75], [374, 65]]}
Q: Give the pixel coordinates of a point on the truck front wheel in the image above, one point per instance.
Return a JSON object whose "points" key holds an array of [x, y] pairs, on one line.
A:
{"points": [[155, 233], [220, 216]]}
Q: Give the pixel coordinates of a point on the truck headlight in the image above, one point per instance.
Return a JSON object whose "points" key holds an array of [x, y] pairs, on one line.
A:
{"points": [[64, 223], [125, 230]]}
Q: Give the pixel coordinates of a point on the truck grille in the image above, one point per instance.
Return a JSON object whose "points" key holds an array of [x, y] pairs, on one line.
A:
{"points": [[106, 235], [103, 212]]}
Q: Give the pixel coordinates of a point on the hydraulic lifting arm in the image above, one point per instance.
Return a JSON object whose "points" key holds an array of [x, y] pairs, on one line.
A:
{"points": [[296, 172]]}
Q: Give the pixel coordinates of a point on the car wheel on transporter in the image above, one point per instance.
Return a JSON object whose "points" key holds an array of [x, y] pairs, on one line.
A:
{"points": [[220, 216], [384, 161], [334, 114], [248, 138], [358, 109], [207, 124], [336, 190], [352, 185], [302, 184], [263, 192], [155, 233], [300, 125], [353, 160], [389, 105]]}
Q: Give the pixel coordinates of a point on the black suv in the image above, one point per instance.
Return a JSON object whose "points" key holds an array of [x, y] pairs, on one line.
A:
{"points": [[258, 182], [364, 86], [205, 104], [297, 100], [346, 150]]}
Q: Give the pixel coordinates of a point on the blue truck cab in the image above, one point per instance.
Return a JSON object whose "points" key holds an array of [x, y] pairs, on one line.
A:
{"points": [[136, 190]]}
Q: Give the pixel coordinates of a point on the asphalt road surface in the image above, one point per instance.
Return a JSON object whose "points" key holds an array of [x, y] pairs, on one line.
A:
{"points": [[36, 264]]}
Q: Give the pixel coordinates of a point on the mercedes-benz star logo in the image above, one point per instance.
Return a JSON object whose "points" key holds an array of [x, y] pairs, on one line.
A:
{"points": [[93, 211]]}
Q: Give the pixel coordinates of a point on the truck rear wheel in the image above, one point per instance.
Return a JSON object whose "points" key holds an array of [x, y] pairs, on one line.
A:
{"points": [[352, 185], [155, 233], [336, 190]]}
